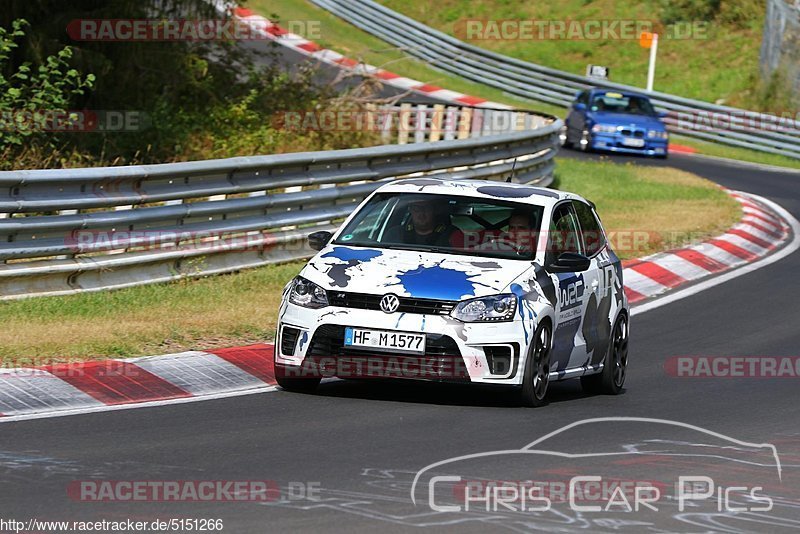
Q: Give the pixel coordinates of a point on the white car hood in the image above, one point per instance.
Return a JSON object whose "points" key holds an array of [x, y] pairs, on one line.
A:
{"points": [[411, 273]]}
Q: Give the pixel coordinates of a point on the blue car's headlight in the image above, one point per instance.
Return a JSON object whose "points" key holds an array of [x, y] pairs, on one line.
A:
{"points": [[307, 294], [604, 128], [657, 134], [486, 309]]}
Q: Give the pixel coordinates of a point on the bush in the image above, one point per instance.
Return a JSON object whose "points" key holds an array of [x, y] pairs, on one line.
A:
{"points": [[31, 97], [739, 13]]}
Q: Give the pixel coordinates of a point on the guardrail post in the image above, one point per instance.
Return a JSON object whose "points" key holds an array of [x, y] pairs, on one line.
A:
{"points": [[421, 124], [404, 124], [465, 123], [477, 122], [385, 122], [450, 120], [436, 122]]}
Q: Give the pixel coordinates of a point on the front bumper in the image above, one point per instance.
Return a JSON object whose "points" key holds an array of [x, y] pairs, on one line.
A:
{"points": [[616, 143], [310, 343]]}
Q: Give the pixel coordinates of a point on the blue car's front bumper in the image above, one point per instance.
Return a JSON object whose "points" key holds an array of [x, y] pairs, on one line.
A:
{"points": [[621, 144]]}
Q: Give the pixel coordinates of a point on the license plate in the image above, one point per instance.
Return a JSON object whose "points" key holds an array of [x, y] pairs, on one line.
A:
{"points": [[383, 340], [627, 141]]}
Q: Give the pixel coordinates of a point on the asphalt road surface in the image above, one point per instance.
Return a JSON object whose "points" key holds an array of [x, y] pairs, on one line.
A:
{"points": [[345, 458]]}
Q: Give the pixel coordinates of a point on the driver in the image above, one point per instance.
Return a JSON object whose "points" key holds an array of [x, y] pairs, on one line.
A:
{"points": [[429, 225]]}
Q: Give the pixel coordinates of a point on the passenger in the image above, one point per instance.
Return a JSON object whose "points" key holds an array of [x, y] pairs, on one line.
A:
{"points": [[520, 230]]}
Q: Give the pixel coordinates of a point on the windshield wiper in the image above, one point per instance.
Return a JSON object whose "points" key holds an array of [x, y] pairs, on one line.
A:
{"points": [[415, 248]]}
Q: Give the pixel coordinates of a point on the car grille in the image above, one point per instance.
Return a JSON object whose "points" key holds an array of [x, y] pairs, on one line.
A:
{"points": [[633, 132], [366, 301], [442, 360]]}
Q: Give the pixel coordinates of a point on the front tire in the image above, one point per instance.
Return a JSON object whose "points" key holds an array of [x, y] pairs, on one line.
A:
{"points": [[615, 364], [295, 383], [537, 369]]}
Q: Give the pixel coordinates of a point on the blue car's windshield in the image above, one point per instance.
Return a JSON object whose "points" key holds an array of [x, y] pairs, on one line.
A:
{"points": [[619, 103], [446, 224]]}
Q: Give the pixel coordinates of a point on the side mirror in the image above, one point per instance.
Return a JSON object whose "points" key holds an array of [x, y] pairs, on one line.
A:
{"points": [[662, 114], [579, 106], [570, 262], [318, 240]]}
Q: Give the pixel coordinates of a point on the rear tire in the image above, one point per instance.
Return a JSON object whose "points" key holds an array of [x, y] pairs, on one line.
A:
{"points": [[537, 369], [615, 364]]}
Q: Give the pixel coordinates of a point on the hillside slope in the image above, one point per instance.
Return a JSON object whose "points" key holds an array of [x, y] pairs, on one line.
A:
{"points": [[708, 48]]}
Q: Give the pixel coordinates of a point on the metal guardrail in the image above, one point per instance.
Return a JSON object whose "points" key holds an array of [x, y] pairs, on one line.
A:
{"points": [[722, 124], [71, 230]]}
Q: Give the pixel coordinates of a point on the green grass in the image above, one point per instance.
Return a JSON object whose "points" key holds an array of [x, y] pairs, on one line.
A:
{"points": [[241, 308]]}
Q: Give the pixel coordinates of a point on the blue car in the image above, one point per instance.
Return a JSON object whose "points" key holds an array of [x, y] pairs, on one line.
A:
{"points": [[615, 121]]}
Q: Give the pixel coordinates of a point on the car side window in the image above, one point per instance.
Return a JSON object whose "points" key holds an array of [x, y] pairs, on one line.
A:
{"points": [[591, 231], [564, 232], [583, 98]]}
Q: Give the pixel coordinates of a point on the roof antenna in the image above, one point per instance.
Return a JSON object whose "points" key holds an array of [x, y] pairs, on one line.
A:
{"points": [[513, 167]]}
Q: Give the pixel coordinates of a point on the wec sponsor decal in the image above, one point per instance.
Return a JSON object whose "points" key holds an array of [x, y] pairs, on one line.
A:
{"points": [[571, 291]]}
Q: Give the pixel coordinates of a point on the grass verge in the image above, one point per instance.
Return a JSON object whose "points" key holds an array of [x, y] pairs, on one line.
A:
{"points": [[241, 308], [671, 207]]}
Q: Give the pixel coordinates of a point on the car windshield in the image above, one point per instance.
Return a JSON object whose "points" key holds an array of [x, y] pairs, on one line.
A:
{"points": [[619, 103], [446, 224]]}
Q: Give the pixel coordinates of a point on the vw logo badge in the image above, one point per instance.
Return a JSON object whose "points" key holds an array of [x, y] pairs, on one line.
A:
{"points": [[390, 303]]}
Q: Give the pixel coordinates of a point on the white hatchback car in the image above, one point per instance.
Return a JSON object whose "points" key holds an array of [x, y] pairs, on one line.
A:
{"points": [[459, 280]]}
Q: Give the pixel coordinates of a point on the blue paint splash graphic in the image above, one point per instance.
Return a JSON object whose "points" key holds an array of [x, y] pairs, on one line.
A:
{"points": [[303, 340], [352, 254], [351, 258], [522, 306], [437, 283]]}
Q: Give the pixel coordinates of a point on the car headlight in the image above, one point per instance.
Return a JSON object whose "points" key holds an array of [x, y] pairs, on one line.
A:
{"points": [[486, 309], [604, 128], [657, 134], [307, 294]]}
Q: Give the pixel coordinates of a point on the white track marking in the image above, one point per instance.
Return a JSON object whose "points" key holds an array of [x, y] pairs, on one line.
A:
{"points": [[683, 268], [149, 404]]}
